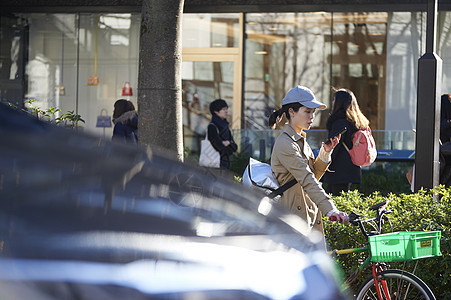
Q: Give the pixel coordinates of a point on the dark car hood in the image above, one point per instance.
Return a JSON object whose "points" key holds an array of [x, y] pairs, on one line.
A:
{"points": [[76, 209]]}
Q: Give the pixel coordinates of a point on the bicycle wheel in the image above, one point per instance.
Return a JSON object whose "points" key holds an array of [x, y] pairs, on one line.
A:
{"points": [[400, 284]]}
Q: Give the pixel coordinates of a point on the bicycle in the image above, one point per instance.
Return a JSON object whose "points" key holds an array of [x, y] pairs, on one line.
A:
{"points": [[385, 283]]}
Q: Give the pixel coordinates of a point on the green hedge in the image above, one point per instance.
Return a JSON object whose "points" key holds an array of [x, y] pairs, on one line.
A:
{"points": [[412, 212]]}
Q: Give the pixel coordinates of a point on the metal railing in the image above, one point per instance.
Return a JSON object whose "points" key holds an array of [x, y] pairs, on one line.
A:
{"points": [[259, 143]]}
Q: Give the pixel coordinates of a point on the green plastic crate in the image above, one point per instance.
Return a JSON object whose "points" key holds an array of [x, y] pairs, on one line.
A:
{"points": [[402, 246]]}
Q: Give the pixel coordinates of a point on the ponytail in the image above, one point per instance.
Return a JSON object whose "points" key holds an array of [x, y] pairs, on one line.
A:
{"points": [[276, 115]]}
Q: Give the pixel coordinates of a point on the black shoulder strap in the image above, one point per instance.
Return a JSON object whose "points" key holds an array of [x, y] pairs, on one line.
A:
{"points": [[214, 126], [217, 129], [279, 191], [282, 188]]}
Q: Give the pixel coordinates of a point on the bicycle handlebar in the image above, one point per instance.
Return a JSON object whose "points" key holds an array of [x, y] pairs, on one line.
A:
{"points": [[353, 218], [378, 205], [356, 219], [335, 219]]}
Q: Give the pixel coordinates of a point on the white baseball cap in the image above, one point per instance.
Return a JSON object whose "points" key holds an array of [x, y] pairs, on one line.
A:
{"points": [[304, 96]]}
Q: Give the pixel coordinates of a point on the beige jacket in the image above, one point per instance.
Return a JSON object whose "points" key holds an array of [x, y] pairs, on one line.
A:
{"points": [[291, 158]]}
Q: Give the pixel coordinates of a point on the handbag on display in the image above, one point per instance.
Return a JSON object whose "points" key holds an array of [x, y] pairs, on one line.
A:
{"points": [[93, 80], [209, 156], [103, 120]]}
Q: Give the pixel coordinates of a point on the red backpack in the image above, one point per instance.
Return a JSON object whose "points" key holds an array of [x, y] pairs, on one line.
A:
{"points": [[363, 152]]}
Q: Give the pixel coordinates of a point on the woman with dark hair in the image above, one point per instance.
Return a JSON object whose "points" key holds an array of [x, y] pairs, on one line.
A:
{"points": [[125, 119], [345, 113], [219, 133], [292, 158]]}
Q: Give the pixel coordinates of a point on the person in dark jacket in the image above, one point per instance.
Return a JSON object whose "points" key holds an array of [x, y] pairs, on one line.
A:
{"points": [[219, 133], [125, 119], [345, 113]]}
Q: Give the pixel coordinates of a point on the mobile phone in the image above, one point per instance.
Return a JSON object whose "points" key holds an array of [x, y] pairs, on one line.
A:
{"points": [[341, 131]]}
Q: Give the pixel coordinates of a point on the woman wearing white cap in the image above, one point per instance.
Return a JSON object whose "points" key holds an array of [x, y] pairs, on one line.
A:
{"points": [[292, 157]]}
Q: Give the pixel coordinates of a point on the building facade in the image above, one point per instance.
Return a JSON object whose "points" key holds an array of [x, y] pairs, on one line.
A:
{"points": [[246, 53]]}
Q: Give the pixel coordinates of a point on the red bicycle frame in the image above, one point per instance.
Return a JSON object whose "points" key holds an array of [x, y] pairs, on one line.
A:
{"points": [[379, 280]]}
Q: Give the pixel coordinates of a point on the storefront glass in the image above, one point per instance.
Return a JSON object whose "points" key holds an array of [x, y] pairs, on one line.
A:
{"points": [[373, 54], [282, 51], [211, 31], [50, 58], [65, 51], [115, 60], [202, 83], [211, 69], [317, 50], [358, 45]]}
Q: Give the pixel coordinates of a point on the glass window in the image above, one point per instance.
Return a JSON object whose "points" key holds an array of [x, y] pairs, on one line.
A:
{"points": [[317, 50], [282, 51], [210, 30], [209, 73], [66, 51], [13, 35], [50, 58], [51, 68], [358, 59], [109, 51], [444, 48], [373, 54], [202, 83], [405, 45]]}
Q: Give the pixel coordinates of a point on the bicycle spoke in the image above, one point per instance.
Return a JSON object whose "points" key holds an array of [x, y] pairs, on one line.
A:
{"points": [[403, 290], [400, 285], [389, 284]]}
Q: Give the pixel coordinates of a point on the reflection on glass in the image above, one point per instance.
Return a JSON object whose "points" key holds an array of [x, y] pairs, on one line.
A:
{"points": [[62, 47], [52, 60], [203, 82], [118, 26], [444, 46], [115, 21], [318, 50], [405, 44], [210, 30], [282, 51], [358, 59], [15, 46]]}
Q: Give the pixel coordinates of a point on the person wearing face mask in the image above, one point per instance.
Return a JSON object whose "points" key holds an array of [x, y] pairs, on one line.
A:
{"points": [[292, 157]]}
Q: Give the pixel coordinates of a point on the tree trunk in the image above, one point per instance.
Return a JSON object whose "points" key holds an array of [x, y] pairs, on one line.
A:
{"points": [[159, 81]]}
